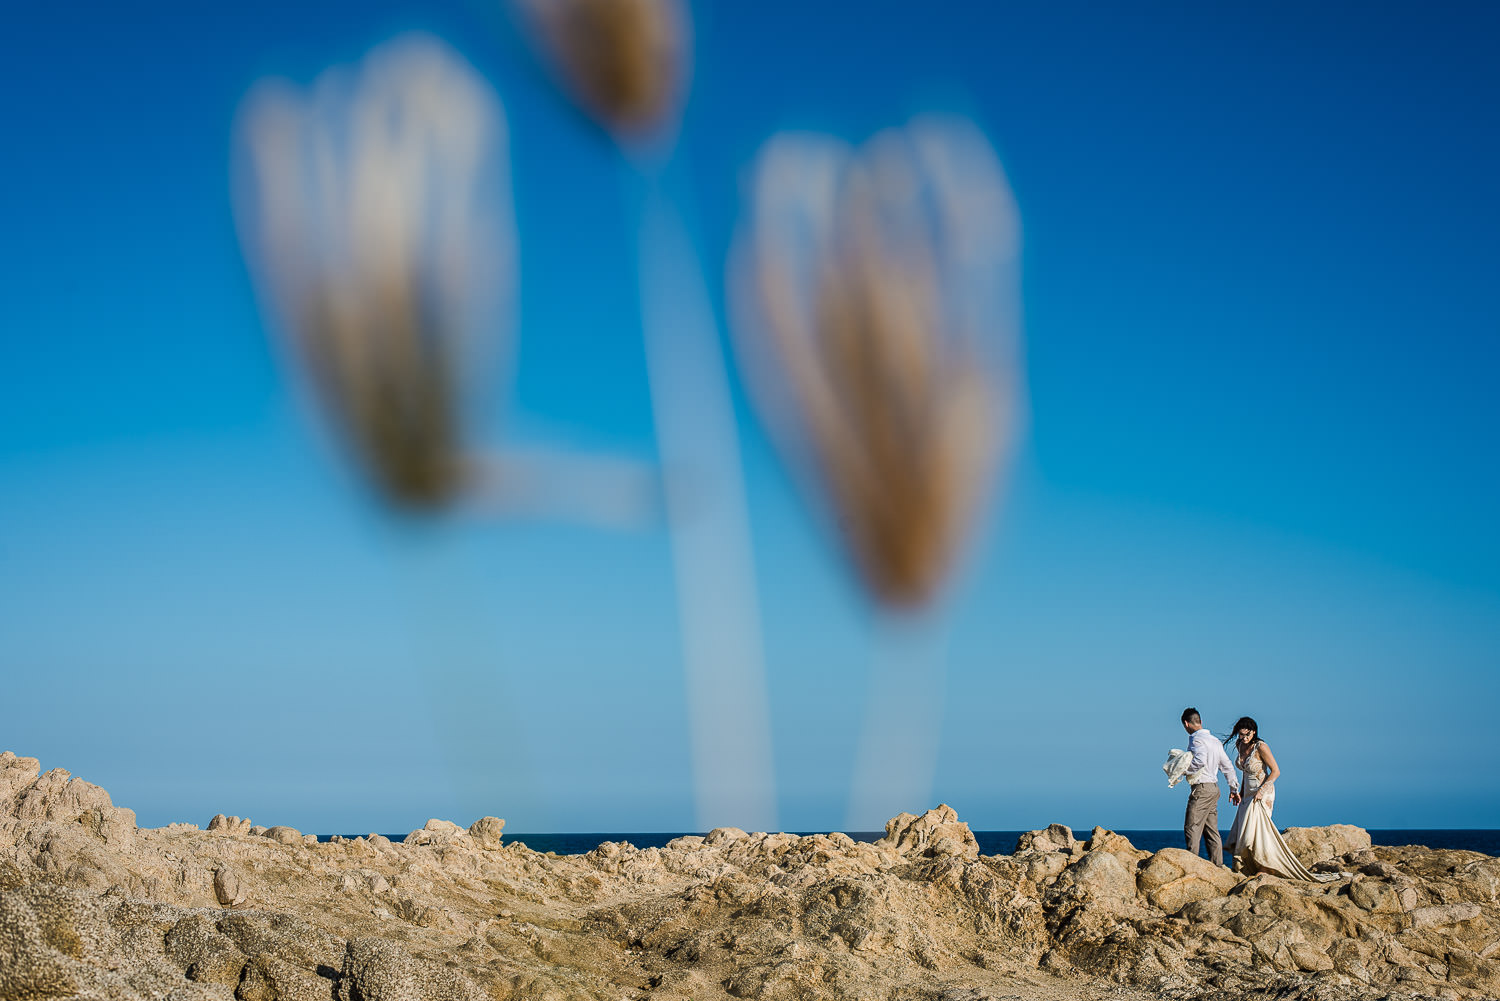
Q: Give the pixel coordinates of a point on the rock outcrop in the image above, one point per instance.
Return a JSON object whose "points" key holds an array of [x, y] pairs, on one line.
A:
{"points": [[90, 909], [935, 834]]}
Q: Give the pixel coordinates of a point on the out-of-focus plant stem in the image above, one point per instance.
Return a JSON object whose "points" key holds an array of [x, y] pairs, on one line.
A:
{"points": [[895, 762], [482, 743], [706, 508]]}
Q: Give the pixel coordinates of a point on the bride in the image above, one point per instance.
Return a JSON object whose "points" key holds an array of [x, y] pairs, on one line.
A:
{"points": [[1257, 845]]}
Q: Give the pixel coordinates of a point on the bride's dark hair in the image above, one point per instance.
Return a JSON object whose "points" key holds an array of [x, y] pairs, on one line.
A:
{"points": [[1244, 723]]}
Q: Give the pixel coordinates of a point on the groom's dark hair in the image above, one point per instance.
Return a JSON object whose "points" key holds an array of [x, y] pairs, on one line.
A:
{"points": [[1190, 715]]}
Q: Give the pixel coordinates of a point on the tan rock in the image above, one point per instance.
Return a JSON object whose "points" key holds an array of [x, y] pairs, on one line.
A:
{"points": [[16, 774], [935, 834], [723, 835], [435, 832], [227, 888], [1052, 838], [284, 835], [379, 970], [1309, 958], [112, 824], [204, 953], [1444, 914], [1101, 840], [1174, 878], [1382, 896], [229, 825], [57, 796], [27, 795], [35, 960], [1467, 969], [487, 832], [1312, 845], [1215, 910], [1098, 880], [777, 917]]}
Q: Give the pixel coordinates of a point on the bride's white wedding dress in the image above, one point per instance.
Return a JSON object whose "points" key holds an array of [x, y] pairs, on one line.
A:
{"points": [[1257, 845]]}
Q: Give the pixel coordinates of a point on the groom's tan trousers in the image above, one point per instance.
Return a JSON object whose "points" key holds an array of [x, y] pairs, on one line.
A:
{"points": [[1203, 820]]}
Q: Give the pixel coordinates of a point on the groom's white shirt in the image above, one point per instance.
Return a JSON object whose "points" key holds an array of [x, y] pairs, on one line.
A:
{"points": [[1209, 756]]}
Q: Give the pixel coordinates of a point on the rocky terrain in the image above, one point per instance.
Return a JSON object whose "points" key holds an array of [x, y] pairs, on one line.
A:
{"points": [[93, 907]]}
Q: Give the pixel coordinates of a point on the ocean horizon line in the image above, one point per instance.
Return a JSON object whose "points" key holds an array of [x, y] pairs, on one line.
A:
{"points": [[991, 842]]}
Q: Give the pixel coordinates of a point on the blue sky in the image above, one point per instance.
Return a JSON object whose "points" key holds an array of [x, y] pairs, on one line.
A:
{"points": [[1258, 476]]}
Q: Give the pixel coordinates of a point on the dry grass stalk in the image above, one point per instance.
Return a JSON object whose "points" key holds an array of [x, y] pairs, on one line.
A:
{"points": [[623, 60], [371, 215], [876, 288]]}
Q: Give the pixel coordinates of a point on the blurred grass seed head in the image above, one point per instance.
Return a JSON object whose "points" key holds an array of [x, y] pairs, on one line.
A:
{"points": [[876, 290], [374, 209], [624, 61]]}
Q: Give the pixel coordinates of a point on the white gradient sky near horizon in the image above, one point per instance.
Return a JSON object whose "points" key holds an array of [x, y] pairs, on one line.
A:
{"points": [[1258, 474]]}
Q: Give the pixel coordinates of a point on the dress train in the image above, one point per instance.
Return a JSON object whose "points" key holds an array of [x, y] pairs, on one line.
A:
{"points": [[1258, 846]]}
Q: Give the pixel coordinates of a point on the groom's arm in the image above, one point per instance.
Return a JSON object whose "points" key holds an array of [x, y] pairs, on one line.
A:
{"points": [[1227, 767]]}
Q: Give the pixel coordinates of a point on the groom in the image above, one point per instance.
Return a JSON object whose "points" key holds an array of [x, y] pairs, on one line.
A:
{"points": [[1203, 800]]}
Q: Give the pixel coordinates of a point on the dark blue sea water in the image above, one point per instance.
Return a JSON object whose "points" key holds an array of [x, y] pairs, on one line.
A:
{"points": [[1004, 842]]}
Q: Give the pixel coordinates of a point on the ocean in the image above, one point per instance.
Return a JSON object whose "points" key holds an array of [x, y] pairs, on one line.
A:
{"points": [[1003, 842]]}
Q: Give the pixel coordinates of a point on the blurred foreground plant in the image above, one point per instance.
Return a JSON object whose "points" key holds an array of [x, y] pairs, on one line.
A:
{"points": [[624, 61], [876, 292], [375, 212], [374, 209]]}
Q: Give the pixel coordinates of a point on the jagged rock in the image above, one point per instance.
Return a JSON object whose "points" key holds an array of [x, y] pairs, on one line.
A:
{"points": [[1098, 880], [31, 963], [57, 796], [1382, 895], [284, 835], [27, 795], [1323, 844], [114, 825], [1053, 838], [937, 833], [1173, 878], [722, 835], [379, 970], [1470, 970], [435, 832], [778, 917], [227, 888], [270, 978], [204, 953], [486, 832], [229, 825], [1215, 910], [16, 773], [1444, 914], [1101, 840]]}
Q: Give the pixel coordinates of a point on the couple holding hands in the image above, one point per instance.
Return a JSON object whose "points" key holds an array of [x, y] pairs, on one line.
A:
{"points": [[1257, 845]]}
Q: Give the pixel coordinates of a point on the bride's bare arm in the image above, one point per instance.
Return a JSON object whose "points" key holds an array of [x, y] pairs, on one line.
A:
{"points": [[1272, 771]]}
